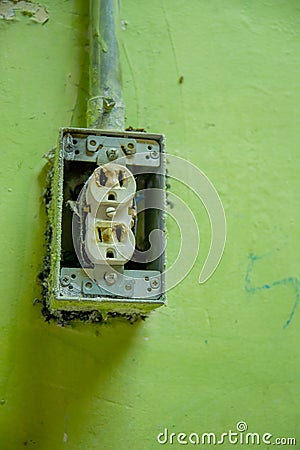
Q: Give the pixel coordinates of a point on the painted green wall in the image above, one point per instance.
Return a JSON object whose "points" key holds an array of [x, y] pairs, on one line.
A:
{"points": [[219, 353]]}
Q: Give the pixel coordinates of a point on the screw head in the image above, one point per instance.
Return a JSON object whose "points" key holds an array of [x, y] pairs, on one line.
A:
{"points": [[112, 154], [65, 280], [108, 103], [154, 154], [154, 283], [110, 278], [69, 143], [110, 211]]}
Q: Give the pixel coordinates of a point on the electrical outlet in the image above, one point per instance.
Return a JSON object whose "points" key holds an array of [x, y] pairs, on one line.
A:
{"points": [[107, 222]]}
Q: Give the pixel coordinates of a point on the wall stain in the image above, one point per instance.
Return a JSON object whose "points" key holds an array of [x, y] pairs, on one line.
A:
{"points": [[289, 281]]}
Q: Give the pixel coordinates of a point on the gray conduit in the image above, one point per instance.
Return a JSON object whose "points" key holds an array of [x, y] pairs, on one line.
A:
{"points": [[105, 109]]}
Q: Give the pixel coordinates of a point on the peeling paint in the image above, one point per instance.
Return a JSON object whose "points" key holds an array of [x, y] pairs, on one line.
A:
{"points": [[36, 12], [124, 24]]}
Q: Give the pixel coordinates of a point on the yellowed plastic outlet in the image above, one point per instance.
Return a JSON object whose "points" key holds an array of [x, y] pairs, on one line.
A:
{"points": [[110, 215]]}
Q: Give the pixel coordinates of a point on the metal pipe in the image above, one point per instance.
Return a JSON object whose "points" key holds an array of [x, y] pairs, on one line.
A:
{"points": [[106, 109]]}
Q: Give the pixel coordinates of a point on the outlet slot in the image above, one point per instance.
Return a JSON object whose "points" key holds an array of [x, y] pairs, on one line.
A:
{"points": [[102, 178], [119, 231], [110, 254], [121, 179]]}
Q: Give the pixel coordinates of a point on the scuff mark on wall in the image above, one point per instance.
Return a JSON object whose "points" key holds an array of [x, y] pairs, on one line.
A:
{"points": [[36, 12], [290, 281]]}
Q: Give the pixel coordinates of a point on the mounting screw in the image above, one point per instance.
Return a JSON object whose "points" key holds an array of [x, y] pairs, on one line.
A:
{"points": [[154, 283], [110, 278], [112, 154], [69, 143], [108, 104], [65, 280], [110, 211], [154, 154]]}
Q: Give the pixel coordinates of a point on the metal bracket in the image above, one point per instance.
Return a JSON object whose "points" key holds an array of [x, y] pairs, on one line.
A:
{"points": [[103, 149], [133, 283]]}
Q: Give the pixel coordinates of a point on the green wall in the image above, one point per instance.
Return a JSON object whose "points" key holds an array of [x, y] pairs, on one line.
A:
{"points": [[219, 353]]}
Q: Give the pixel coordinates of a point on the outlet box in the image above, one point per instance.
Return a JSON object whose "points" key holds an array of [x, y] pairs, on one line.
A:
{"points": [[107, 223]]}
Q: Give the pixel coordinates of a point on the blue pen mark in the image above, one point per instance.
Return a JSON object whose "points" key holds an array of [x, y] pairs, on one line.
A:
{"points": [[290, 281]]}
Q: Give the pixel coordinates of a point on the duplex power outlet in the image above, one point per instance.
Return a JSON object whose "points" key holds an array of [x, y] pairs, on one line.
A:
{"points": [[107, 223]]}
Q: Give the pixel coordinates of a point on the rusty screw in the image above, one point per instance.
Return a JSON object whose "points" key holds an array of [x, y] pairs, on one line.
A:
{"points": [[112, 154], [65, 280]]}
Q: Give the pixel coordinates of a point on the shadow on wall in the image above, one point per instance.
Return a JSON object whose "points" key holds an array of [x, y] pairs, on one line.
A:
{"points": [[57, 372]]}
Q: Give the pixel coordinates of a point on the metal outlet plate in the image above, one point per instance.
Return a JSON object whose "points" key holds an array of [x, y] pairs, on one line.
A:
{"points": [[142, 284], [132, 284], [102, 149]]}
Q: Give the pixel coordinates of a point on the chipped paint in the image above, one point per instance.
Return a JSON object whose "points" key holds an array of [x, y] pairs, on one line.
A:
{"points": [[35, 11]]}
